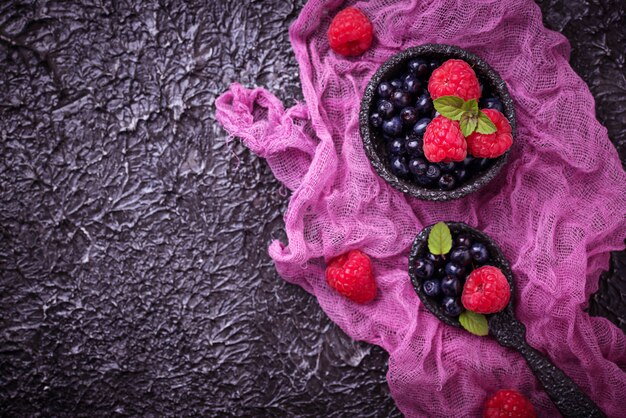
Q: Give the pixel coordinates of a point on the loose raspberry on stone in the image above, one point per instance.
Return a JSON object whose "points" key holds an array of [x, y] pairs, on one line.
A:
{"points": [[443, 141], [350, 33], [486, 290], [454, 78], [508, 403], [495, 144], [351, 275]]}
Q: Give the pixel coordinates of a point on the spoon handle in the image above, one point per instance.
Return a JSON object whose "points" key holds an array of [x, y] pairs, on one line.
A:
{"points": [[566, 395]]}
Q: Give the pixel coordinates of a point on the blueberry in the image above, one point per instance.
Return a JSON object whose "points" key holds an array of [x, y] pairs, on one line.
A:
{"points": [[385, 108], [447, 182], [433, 65], [400, 98], [481, 163], [451, 286], [460, 174], [396, 84], [393, 126], [453, 269], [398, 166], [463, 241], [408, 116], [468, 161], [433, 172], [396, 146], [431, 288], [412, 85], [440, 272], [420, 126], [424, 269], [418, 67], [384, 89], [435, 114], [437, 260], [447, 167], [376, 120], [424, 104], [423, 180], [460, 256], [492, 103], [418, 166], [451, 306], [479, 252], [414, 146]]}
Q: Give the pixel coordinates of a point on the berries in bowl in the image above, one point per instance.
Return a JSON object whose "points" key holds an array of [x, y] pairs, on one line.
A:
{"points": [[460, 275], [437, 122]]}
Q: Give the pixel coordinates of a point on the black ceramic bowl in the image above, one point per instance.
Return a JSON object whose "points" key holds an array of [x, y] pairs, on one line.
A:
{"points": [[497, 259], [374, 142]]}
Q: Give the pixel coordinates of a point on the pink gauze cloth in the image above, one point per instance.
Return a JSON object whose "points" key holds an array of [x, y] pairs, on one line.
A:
{"points": [[556, 209]]}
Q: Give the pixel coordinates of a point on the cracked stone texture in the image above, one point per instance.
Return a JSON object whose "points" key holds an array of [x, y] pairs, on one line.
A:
{"points": [[134, 273]]}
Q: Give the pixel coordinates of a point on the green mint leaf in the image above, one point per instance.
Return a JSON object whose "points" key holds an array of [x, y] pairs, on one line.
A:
{"points": [[440, 239], [485, 125], [449, 106], [474, 323], [468, 124], [470, 106]]}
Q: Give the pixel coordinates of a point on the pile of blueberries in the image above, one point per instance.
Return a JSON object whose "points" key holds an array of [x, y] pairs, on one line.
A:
{"points": [[442, 276], [403, 108]]}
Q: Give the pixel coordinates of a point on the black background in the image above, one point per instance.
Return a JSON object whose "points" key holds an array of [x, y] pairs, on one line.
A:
{"points": [[134, 273]]}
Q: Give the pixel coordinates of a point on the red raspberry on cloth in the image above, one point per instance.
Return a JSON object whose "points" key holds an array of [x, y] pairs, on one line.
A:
{"points": [[443, 141], [486, 290], [495, 144], [351, 275], [508, 403], [454, 78], [350, 32]]}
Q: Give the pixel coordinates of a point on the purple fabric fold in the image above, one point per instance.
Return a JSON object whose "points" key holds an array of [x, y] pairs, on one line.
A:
{"points": [[557, 209]]}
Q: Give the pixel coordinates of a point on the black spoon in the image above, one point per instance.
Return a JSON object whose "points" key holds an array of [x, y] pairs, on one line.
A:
{"points": [[507, 330]]}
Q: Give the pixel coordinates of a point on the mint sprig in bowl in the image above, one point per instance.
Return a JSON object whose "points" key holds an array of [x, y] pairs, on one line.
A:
{"points": [[382, 140]]}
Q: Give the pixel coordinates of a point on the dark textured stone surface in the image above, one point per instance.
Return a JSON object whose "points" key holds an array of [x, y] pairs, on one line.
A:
{"points": [[134, 273], [374, 142]]}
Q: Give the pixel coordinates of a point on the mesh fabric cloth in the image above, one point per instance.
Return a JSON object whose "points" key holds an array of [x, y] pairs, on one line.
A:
{"points": [[556, 209]]}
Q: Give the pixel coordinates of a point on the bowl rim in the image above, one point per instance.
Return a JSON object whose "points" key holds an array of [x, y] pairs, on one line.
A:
{"points": [[497, 260], [369, 136]]}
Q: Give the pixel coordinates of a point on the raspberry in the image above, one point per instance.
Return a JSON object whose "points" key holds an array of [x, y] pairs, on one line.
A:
{"points": [[350, 32], [495, 144], [454, 78], [443, 141], [508, 403], [486, 290], [351, 275]]}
